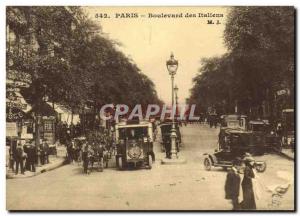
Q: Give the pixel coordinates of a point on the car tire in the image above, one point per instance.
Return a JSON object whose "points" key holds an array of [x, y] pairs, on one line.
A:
{"points": [[207, 164], [261, 168]]}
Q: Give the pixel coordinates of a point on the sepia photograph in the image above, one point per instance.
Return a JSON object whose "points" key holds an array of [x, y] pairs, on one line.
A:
{"points": [[150, 108]]}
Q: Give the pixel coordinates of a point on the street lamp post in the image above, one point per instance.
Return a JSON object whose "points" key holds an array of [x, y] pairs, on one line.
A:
{"points": [[172, 66], [176, 100]]}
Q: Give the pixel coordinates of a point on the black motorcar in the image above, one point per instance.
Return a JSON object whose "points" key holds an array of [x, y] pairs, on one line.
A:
{"points": [[134, 142], [233, 145]]}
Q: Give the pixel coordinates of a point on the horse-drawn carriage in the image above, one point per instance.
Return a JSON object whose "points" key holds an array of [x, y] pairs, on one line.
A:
{"points": [[95, 156], [93, 151]]}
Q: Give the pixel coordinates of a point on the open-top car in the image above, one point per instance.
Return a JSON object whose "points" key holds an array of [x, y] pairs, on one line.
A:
{"points": [[134, 141]]}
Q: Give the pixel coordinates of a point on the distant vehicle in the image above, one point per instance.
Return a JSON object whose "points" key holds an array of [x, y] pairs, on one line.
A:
{"points": [[288, 136], [134, 142], [234, 121], [256, 135], [231, 124], [263, 135]]}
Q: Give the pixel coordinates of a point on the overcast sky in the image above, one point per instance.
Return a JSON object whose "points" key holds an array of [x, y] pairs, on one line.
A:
{"points": [[149, 42]]}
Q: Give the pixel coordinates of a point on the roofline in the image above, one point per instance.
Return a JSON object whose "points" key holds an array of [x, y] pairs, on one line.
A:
{"points": [[133, 125]]}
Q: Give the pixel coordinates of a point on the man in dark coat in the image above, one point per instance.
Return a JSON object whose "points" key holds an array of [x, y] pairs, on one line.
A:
{"points": [[232, 186], [25, 148], [84, 150], [19, 159], [31, 157], [167, 142]]}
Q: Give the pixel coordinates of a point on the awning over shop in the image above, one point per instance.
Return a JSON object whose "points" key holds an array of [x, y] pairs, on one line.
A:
{"points": [[43, 109], [65, 114]]}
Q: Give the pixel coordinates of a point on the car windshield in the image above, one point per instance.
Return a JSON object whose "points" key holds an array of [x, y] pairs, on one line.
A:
{"points": [[133, 133], [260, 127]]}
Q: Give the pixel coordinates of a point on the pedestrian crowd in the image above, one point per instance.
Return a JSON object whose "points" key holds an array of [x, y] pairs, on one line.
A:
{"points": [[25, 157]]}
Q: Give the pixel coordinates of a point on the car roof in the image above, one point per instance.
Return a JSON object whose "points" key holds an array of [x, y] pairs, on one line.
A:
{"points": [[236, 130], [144, 124], [233, 116], [262, 122]]}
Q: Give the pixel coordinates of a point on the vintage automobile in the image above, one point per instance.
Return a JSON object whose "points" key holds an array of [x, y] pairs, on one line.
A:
{"points": [[234, 121], [134, 142], [288, 135], [230, 124], [265, 139], [256, 135], [165, 129], [235, 140], [238, 144]]}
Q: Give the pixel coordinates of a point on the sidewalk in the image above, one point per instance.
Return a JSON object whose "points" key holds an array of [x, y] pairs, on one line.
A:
{"points": [[287, 153], [55, 162]]}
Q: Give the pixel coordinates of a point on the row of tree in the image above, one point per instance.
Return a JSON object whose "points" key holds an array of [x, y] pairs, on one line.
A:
{"points": [[71, 61], [259, 62]]}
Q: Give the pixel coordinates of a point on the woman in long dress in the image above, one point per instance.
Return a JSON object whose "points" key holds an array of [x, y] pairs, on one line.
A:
{"points": [[248, 202]]}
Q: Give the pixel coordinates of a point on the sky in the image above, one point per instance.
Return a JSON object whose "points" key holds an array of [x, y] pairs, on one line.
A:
{"points": [[150, 41]]}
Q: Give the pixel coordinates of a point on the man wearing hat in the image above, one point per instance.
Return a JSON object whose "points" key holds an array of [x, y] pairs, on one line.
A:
{"points": [[248, 202], [19, 158], [31, 157], [232, 185], [84, 150]]}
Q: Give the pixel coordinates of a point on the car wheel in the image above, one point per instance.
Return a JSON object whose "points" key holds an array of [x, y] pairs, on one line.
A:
{"points": [[261, 167], [207, 164]]}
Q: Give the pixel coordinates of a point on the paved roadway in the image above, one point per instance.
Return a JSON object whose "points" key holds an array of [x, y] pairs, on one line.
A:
{"points": [[165, 187]]}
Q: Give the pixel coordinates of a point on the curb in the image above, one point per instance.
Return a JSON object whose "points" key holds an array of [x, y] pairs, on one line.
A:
{"points": [[285, 155], [52, 167]]}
